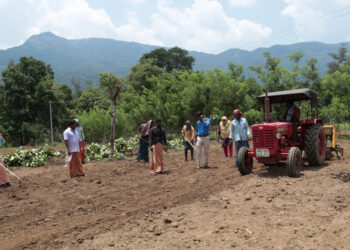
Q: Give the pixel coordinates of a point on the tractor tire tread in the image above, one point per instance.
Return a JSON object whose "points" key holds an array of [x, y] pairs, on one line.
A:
{"points": [[291, 161], [241, 161], [311, 145]]}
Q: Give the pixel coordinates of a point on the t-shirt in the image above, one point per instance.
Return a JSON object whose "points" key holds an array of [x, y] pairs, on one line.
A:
{"points": [[72, 137]]}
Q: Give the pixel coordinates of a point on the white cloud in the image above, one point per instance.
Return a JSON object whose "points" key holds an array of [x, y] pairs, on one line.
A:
{"points": [[306, 16], [3, 3], [202, 25], [343, 3], [134, 31], [316, 20], [71, 19], [205, 26], [135, 2], [76, 19], [242, 3]]}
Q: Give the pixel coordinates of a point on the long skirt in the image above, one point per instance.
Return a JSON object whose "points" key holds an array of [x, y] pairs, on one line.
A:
{"points": [[143, 150], [157, 158], [75, 166], [82, 151], [3, 176]]}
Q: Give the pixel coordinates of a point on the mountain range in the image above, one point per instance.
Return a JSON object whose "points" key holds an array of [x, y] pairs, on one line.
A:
{"points": [[83, 59]]}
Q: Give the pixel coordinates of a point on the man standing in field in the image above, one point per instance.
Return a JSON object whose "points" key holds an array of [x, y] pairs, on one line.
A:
{"points": [[4, 181], [202, 139], [71, 140], [80, 131], [157, 141], [224, 133], [188, 133], [239, 132], [144, 130]]}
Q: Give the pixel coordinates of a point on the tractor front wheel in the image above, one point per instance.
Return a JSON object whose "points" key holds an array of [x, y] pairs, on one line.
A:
{"points": [[315, 145], [294, 162], [245, 162]]}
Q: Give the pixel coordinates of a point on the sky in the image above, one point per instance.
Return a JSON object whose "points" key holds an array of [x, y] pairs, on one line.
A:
{"points": [[211, 26]]}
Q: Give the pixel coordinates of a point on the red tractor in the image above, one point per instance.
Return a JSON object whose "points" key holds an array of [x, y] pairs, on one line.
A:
{"points": [[273, 142]]}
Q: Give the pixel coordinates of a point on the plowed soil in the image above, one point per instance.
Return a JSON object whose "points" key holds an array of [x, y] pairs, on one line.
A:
{"points": [[121, 205]]}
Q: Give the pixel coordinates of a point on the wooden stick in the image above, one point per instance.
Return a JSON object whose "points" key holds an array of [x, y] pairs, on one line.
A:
{"points": [[20, 180], [189, 142]]}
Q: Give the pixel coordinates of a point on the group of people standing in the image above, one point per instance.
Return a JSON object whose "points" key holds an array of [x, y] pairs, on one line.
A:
{"points": [[197, 138], [154, 138]]}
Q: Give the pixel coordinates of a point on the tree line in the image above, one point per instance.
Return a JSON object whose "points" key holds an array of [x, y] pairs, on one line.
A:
{"points": [[161, 85]]}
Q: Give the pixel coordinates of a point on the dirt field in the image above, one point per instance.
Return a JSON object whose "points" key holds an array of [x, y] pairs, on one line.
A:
{"points": [[120, 205]]}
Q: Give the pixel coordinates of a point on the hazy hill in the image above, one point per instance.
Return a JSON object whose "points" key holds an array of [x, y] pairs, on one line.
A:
{"points": [[83, 59]]}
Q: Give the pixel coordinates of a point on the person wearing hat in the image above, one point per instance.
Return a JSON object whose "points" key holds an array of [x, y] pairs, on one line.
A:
{"points": [[202, 138], [80, 131], [157, 141], [71, 140], [224, 133], [239, 131], [188, 133]]}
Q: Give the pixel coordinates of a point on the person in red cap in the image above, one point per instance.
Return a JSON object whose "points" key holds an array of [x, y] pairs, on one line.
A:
{"points": [[239, 132]]}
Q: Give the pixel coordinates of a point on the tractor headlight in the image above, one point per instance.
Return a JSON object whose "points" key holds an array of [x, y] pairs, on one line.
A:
{"points": [[278, 136]]}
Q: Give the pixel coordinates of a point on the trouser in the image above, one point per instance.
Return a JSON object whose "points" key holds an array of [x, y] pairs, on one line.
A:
{"points": [[82, 151], [238, 145], [228, 149], [202, 142], [227, 146], [143, 151]]}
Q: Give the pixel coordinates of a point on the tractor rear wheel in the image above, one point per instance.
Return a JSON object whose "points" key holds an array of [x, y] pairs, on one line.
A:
{"points": [[315, 145], [294, 162], [245, 162]]}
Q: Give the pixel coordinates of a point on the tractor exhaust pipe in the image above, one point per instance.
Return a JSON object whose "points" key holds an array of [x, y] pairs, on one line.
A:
{"points": [[267, 108]]}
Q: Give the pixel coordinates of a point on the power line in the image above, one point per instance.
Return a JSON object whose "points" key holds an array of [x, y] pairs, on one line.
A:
{"points": [[316, 21]]}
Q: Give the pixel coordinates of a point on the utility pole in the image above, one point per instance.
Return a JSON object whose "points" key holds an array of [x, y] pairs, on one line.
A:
{"points": [[50, 103]]}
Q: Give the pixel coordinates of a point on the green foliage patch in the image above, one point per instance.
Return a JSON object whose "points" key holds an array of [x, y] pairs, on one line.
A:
{"points": [[31, 158]]}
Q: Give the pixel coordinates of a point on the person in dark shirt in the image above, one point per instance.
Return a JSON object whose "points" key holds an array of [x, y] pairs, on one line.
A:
{"points": [[157, 141]]}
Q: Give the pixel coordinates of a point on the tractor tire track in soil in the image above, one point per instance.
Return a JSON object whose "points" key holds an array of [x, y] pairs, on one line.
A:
{"points": [[121, 205]]}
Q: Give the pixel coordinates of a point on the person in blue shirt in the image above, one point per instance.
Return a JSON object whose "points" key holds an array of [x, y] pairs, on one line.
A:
{"points": [[239, 132], [202, 139]]}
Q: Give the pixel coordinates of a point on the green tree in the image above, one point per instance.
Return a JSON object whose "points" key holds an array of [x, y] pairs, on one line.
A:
{"points": [[174, 58], [28, 88], [339, 58], [111, 84], [140, 74], [271, 74]]}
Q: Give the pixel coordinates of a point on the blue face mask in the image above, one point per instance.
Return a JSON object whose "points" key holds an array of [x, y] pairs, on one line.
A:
{"points": [[188, 127]]}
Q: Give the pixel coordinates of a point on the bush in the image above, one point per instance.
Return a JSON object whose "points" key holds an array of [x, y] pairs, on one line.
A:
{"points": [[177, 144], [98, 152], [254, 116], [30, 158]]}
